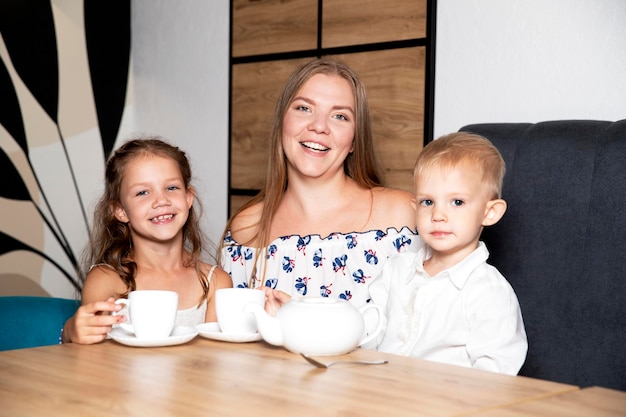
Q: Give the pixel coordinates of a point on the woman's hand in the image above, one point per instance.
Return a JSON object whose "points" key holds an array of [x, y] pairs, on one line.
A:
{"points": [[274, 300], [91, 322]]}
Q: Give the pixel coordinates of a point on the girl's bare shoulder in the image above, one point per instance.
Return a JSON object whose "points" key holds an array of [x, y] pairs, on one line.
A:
{"points": [[101, 283], [219, 278]]}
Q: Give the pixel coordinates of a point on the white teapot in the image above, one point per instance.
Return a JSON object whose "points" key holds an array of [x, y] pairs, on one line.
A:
{"points": [[316, 325]]}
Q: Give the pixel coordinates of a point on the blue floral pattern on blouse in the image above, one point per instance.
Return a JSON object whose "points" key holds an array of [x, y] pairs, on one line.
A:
{"points": [[340, 265]]}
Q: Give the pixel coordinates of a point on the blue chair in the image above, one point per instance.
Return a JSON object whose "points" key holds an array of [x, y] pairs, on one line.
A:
{"points": [[27, 321]]}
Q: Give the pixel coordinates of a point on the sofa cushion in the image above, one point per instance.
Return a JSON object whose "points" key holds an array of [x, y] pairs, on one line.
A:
{"points": [[33, 321], [562, 244]]}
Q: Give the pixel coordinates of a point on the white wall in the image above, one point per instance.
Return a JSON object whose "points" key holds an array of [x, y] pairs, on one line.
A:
{"points": [[180, 53], [529, 61], [497, 61]]}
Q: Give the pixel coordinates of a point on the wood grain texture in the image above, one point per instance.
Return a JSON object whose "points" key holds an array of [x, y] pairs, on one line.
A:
{"points": [[588, 402], [236, 201], [271, 26], [395, 78], [353, 22], [205, 377], [395, 85], [255, 89]]}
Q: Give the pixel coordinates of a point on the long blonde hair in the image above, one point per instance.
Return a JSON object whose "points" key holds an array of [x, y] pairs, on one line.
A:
{"points": [[361, 165]]}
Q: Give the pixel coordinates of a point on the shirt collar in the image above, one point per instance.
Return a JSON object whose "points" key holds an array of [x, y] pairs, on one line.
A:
{"points": [[459, 273]]}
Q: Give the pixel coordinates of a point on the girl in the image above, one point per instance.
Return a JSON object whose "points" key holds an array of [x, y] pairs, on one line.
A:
{"points": [[146, 235]]}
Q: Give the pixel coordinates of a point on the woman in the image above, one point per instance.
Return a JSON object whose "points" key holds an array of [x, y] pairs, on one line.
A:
{"points": [[323, 225]]}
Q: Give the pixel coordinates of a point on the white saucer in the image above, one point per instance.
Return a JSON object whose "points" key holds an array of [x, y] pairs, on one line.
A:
{"points": [[212, 331], [180, 335]]}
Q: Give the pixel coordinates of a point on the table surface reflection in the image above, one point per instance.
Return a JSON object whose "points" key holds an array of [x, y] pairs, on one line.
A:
{"points": [[205, 377], [587, 402]]}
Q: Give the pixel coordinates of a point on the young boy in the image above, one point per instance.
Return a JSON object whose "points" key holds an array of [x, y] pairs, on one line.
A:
{"points": [[445, 303]]}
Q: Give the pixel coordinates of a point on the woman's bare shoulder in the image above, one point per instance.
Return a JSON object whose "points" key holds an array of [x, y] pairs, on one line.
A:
{"points": [[392, 194], [394, 207], [393, 199], [244, 225]]}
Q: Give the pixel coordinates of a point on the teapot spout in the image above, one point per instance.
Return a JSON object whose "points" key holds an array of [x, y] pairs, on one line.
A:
{"points": [[268, 326]]}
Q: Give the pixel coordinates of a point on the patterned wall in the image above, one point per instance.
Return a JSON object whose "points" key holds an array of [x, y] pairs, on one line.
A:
{"points": [[64, 73]]}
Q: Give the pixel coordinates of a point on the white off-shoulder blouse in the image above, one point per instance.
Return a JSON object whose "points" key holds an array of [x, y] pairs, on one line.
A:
{"points": [[339, 265]]}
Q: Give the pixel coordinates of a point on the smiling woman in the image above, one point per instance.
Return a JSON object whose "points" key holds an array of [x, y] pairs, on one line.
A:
{"points": [[324, 224], [318, 129]]}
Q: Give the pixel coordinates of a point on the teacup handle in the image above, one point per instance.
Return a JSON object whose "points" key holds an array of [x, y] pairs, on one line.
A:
{"points": [[121, 301], [126, 325], [379, 325]]}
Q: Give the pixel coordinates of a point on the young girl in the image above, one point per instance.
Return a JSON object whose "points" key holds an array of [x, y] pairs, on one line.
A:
{"points": [[146, 236]]}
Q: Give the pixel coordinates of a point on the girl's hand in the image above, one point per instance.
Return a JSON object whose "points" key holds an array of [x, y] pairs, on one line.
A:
{"points": [[274, 300], [91, 322]]}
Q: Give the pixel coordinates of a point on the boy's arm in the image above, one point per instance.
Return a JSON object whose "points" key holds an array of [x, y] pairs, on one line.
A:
{"points": [[497, 340]]}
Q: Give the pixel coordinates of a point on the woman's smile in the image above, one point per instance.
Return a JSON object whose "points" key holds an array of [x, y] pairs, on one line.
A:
{"points": [[314, 146]]}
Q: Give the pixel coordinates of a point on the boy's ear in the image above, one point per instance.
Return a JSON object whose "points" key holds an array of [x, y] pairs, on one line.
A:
{"points": [[494, 210], [120, 213]]}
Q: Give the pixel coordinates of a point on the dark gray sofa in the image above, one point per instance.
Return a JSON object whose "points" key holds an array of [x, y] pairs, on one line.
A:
{"points": [[562, 244]]}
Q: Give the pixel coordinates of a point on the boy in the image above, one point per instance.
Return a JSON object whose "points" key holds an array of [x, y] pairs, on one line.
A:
{"points": [[445, 303]]}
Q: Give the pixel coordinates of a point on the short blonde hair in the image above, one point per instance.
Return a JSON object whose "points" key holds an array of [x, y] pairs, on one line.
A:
{"points": [[451, 150]]}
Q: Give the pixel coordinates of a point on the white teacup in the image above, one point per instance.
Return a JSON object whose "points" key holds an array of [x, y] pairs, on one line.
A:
{"points": [[229, 304], [152, 313]]}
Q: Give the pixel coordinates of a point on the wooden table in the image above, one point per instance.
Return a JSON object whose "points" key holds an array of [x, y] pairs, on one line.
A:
{"points": [[209, 378], [587, 402]]}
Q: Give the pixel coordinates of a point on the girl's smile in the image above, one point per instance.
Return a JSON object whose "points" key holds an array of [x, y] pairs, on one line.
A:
{"points": [[153, 190]]}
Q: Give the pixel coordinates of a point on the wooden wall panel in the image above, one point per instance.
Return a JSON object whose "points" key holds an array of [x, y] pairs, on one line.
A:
{"points": [[236, 201], [394, 80], [352, 22], [255, 89], [270, 26], [394, 76]]}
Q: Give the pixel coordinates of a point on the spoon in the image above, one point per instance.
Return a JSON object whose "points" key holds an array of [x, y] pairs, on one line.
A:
{"points": [[329, 364]]}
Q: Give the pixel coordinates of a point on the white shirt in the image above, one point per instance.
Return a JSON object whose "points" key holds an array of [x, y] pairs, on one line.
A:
{"points": [[467, 315]]}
